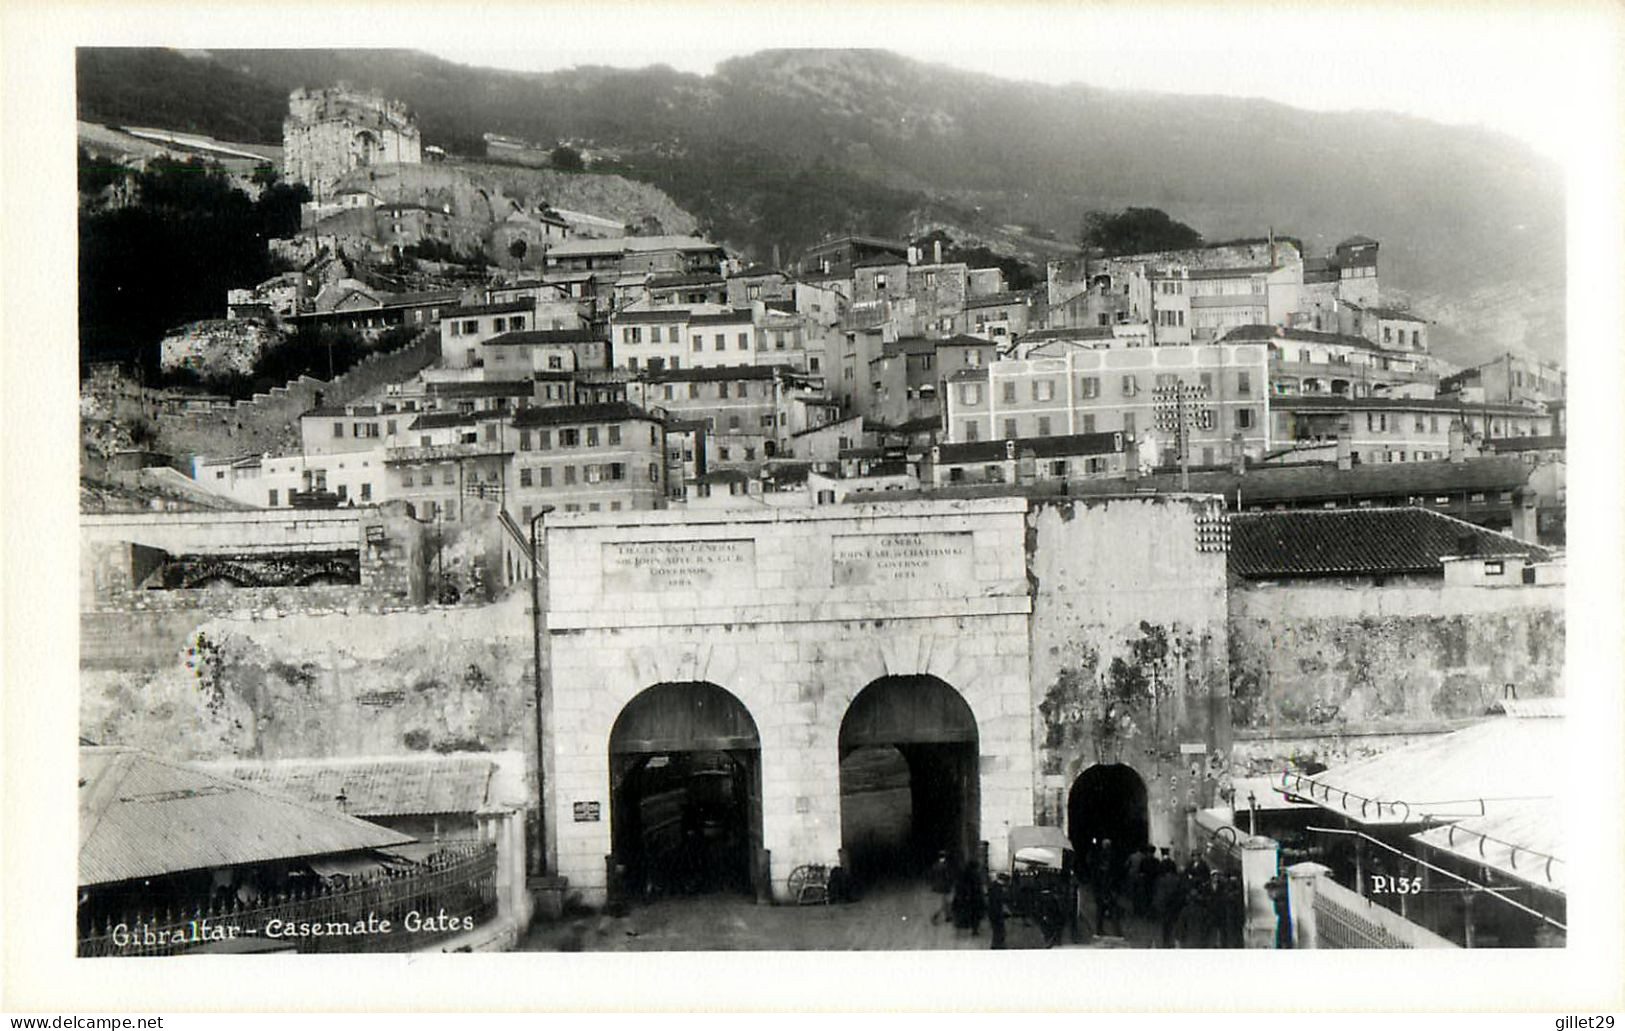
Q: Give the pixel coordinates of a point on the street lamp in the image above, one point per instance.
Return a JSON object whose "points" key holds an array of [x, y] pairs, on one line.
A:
{"points": [[538, 627]]}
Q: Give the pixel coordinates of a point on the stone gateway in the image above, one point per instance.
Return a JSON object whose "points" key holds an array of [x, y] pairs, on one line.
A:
{"points": [[730, 692]]}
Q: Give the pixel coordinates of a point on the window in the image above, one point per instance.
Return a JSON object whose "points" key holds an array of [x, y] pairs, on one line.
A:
{"points": [[1009, 394], [273, 501], [1128, 424], [750, 454], [1091, 387], [654, 472], [448, 475], [744, 389], [1495, 568], [632, 364], [733, 422], [723, 454], [1204, 380], [593, 473], [592, 436], [719, 342], [1009, 429], [614, 434], [1387, 335], [654, 335], [970, 393], [973, 357], [525, 477], [406, 480], [569, 475], [570, 438], [544, 477], [970, 430], [1421, 423], [338, 430], [1244, 418], [1043, 425], [544, 440], [744, 342], [517, 322], [498, 325], [471, 327], [1088, 423], [1130, 386], [722, 390], [812, 364], [767, 421], [391, 428], [366, 492], [1043, 390], [1244, 383]]}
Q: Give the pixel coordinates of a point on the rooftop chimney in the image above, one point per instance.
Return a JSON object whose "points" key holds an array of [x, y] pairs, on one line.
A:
{"points": [[936, 252], [913, 255], [1458, 441]]}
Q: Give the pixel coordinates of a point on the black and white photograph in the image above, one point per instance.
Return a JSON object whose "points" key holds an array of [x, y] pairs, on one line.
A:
{"points": [[1056, 481]]}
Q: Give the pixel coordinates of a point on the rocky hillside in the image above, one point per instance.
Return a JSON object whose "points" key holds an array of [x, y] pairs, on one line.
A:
{"points": [[782, 147]]}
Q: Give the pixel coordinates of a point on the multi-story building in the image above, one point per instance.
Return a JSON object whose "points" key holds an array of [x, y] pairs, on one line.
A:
{"points": [[758, 283], [587, 458], [676, 289], [708, 336], [1392, 329], [1000, 317], [448, 457], [1214, 391], [1511, 378], [1305, 362], [906, 377], [1402, 429], [357, 426], [464, 328], [835, 258], [1026, 460], [637, 254], [521, 352]]}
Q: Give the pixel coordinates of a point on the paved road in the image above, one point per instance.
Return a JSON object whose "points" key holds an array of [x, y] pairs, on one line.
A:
{"points": [[889, 917]]}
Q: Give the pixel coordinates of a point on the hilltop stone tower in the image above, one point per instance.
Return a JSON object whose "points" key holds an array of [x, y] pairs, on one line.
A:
{"points": [[328, 132]]}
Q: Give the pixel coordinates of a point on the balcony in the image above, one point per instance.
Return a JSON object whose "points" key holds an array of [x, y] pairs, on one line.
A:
{"points": [[446, 452]]}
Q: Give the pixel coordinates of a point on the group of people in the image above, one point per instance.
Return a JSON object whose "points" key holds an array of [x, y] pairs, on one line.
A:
{"points": [[1188, 905], [964, 897]]}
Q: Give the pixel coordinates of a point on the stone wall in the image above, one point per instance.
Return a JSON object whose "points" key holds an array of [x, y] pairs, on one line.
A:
{"points": [[269, 423], [217, 347], [1329, 671], [792, 625], [1128, 655]]}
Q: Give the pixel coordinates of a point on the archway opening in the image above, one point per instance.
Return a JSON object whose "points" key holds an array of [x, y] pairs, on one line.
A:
{"points": [[909, 780], [1108, 803], [685, 792]]}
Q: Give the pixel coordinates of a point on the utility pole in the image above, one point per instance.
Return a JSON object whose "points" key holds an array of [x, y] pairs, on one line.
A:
{"points": [[538, 627], [1173, 415]]}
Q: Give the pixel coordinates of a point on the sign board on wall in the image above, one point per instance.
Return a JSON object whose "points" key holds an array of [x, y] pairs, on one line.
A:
{"points": [[678, 565], [888, 558], [585, 812]]}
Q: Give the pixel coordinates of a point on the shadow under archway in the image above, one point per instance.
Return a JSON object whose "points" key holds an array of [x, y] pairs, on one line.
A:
{"points": [[909, 778], [1108, 802], [685, 792]]}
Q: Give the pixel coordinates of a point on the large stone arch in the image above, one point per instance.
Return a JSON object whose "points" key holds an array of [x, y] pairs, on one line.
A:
{"points": [[910, 783], [685, 793]]}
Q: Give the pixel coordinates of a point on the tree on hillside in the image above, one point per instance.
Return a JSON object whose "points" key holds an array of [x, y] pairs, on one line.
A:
{"points": [[1136, 231], [566, 159]]}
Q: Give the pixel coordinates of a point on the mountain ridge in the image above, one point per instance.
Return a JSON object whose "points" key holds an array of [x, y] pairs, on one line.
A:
{"points": [[781, 147]]}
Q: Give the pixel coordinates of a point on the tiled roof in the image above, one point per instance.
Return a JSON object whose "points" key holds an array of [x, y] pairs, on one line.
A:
{"points": [[421, 297], [1271, 334], [483, 388], [724, 476], [495, 308], [1332, 403], [1077, 333], [709, 375], [1519, 444], [686, 279], [445, 420], [560, 415], [652, 315], [143, 816], [1325, 482], [1041, 447], [1359, 542], [629, 245], [371, 787], [530, 337], [723, 318], [879, 261]]}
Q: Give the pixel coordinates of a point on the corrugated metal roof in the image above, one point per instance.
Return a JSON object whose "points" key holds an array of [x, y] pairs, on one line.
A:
{"points": [[371, 786], [143, 816], [1359, 542], [1502, 759], [1523, 840]]}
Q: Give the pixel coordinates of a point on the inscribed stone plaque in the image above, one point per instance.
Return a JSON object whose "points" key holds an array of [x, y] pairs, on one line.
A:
{"points": [[678, 565], [885, 558]]}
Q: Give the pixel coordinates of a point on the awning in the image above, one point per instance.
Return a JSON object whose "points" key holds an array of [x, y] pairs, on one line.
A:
{"points": [[1521, 840], [1448, 777], [1266, 793]]}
